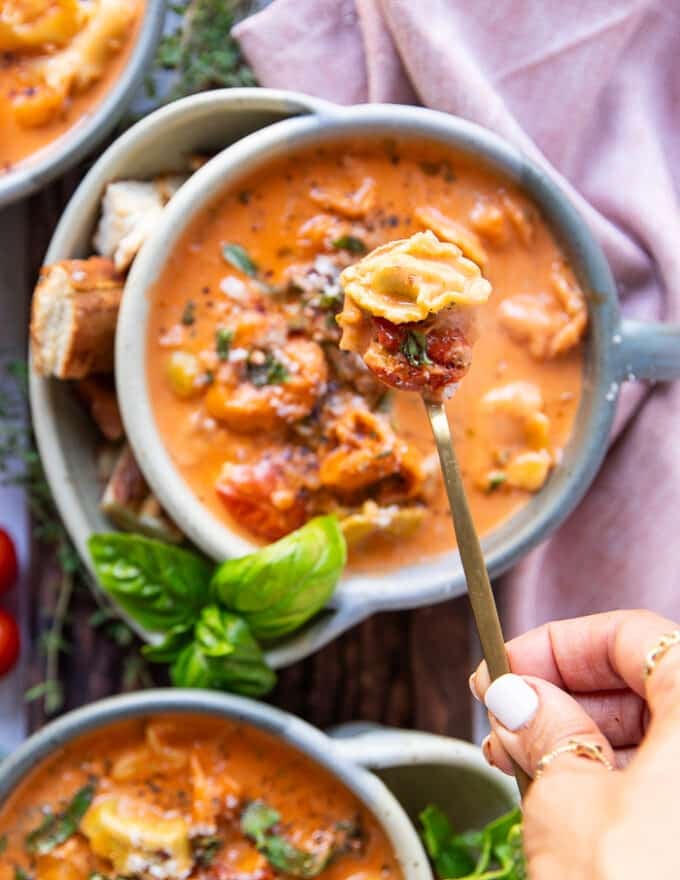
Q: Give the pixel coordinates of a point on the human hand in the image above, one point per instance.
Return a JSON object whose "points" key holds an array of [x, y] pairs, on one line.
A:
{"points": [[584, 680]]}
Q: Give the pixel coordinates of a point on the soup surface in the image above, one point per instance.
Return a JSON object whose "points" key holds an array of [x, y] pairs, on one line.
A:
{"points": [[187, 796], [269, 423], [58, 59]]}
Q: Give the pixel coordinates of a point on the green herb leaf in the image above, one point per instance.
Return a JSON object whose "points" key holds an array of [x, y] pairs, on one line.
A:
{"points": [[496, 479], [414, 348], [189, 314], [204, 848], [494, 853], [350, 243], [258, 821], [270, 372], [20, 874], [223, 656], [239, 258], [203, 52], [278, 588], [450, 857], [171, 647], [161, 586], [58, 827], [223, 340]]}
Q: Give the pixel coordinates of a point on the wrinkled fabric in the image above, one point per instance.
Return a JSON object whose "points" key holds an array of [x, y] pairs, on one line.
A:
{"points": [[590, 90]]}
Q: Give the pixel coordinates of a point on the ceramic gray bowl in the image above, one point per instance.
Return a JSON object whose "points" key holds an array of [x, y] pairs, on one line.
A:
{"points": [[416, 769], [615, 350], [251, 121], [35, 172]]}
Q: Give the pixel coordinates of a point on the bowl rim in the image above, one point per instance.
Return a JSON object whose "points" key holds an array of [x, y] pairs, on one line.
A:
{"points": [[58, 156], [430, 581], [292, 730]]}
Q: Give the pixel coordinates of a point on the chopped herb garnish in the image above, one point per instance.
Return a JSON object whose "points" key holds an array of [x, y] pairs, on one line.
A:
{"points": [[3, 843], [331, 297], [239, 258], [223, 340], [414, 349], [496, 479], [58, 827], [208, 377], [204, 849], [189, 313], [350, 243], [20, 874], [270, 372], [432, 169], [258, 822]]}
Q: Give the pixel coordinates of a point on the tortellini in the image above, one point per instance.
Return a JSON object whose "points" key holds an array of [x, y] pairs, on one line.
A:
{"points": [[137, 838], [528, 467], [408, 280], [34, 24]]}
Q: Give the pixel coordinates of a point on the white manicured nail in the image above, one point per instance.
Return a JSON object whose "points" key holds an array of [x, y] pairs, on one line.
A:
{"points": [[512, 701]]}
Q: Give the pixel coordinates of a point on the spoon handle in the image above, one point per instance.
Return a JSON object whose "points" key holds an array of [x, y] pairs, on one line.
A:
{"points": [[480, 593]]}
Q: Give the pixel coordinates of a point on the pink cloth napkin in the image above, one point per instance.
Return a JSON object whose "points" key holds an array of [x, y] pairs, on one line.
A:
{"points": [[590, 89]]}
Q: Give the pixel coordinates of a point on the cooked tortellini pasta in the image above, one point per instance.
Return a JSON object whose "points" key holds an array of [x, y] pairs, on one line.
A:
{"points": [[528, 466], [138, 838], [408, 280], [33, 24], [85, 35], [372, 520]]}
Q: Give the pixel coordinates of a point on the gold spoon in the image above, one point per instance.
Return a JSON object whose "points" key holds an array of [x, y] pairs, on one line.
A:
{"points": [[480, 593]]}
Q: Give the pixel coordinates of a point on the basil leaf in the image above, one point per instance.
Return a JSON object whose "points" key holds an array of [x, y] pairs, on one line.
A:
{"points": [[223, 656], [58, 827], [171, 647], [414, 349], [451, 857], [257, 819], [278, 588], [350, 243], [258, 822], [239, 258], [161, 586], [223, 340], [270, 372]]}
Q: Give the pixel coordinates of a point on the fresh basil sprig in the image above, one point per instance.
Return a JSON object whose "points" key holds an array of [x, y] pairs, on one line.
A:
{"points": [[161, 586], [223, 655], [210, 618], [278, 589], [494, 853], [55, 828]]}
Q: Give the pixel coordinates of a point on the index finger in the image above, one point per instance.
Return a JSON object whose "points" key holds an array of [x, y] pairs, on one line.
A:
{"points": [[602, 652]]}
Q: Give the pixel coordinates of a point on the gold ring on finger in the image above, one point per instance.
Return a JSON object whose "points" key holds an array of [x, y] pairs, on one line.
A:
{"points": [[591, 751], [665, 643]]}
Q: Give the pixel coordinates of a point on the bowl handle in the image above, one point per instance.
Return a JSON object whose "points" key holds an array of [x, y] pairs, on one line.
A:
{"points": [[376, 747], [648, 350]]}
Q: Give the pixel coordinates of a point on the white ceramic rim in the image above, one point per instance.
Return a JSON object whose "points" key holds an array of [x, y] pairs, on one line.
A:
{"points": [[36, 171], [299, 734]]}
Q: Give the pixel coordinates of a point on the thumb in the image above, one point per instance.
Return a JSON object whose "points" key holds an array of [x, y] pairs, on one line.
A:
{"points": [[532, 718]]}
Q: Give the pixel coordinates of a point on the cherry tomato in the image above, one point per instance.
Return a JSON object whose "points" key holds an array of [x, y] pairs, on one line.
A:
{"points": [[9, 641], [9, 567]]}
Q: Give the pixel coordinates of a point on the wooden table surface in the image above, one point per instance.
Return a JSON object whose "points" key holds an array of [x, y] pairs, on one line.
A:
{"points": [[407, 669]]}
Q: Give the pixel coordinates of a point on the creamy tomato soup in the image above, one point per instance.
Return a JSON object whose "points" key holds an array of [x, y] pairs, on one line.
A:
{"points": [[178, 796], [269, 423], [58, 60]]}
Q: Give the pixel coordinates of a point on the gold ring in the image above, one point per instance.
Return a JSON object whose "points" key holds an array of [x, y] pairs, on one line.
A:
{"points": [[665, 643], [592, 751]]}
